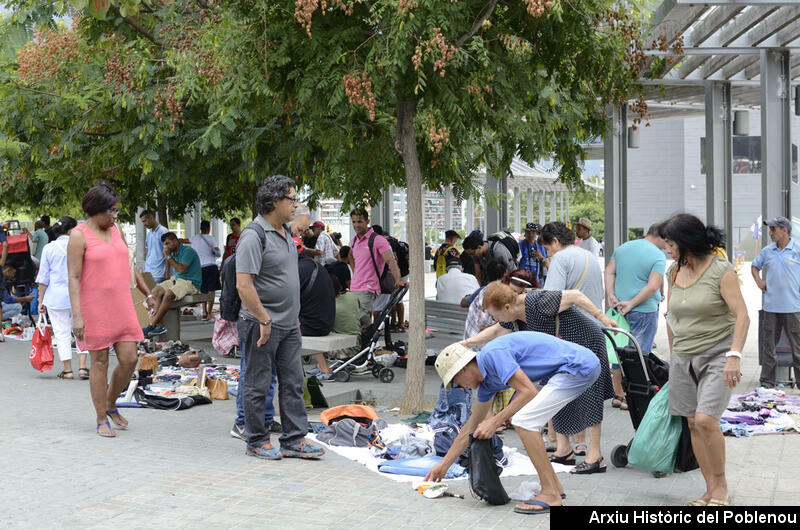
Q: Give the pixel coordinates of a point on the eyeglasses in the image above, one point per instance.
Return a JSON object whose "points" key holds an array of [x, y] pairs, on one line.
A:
{"points": [[294, 200], [113, 211]]}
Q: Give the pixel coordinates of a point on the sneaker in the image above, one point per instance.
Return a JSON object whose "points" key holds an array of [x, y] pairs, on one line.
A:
{"points": [[266, 451], [302, 449], [147, 329], [158, 330], [237, 431], [314, 371], [275, 427], [325, 377]]}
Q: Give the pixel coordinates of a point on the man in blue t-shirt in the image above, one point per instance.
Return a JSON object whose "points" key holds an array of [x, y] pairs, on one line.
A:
{"points": [[532, 253], [517, 360], [184, 260], [154, 262], [634, 279]]}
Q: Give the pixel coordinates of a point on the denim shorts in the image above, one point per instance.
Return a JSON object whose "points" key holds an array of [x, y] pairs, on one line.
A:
{"points": [[643, 327]]}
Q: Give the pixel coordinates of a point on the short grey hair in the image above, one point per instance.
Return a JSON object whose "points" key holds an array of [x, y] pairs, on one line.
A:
{"points": [[272, 189]]}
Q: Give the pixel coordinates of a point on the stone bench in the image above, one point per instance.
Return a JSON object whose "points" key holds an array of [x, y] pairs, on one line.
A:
{"points": [[447, 318], [328, 343], [172, 319]]}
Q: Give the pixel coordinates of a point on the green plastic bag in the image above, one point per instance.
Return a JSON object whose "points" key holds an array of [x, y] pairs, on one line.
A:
{"points": [[619, 338], [655, 444]]}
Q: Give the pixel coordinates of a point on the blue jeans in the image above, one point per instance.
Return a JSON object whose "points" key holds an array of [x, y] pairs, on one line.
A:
{"points": [[270, 415], [643, 327], [11, 310]]}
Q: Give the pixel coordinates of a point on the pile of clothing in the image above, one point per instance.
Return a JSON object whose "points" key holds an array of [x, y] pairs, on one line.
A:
{"points": [[763, 411]]}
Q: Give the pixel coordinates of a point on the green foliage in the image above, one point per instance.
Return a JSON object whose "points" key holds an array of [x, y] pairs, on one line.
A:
{"points": [[588, 203]]}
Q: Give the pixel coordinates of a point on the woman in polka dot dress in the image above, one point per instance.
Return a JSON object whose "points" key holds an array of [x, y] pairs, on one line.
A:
{"points": [[555, 313]]}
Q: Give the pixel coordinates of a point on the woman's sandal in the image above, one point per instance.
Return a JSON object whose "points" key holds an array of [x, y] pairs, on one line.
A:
{"points": [[115, 412], [697, 502], [568, 459], [83, 373], [586, 468], [580, 449], [619, 402], [64, 374], [109, 434], [719, 502]]}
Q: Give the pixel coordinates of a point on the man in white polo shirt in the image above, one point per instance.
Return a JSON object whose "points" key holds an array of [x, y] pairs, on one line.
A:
{"points": [[453, 286]]}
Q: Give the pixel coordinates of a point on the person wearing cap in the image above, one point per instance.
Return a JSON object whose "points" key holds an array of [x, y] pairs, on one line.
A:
{"points": [[518, 361], [445, 251], [324, 250], [583, 229], [532, 253], [780, 262], [453, 286]]}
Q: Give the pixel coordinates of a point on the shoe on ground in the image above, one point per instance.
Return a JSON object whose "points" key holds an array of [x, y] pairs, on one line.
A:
{"points": [[314, 371], [273, 426], [325, 377], [302, 449], [237, 431], [264, 450], [158, 330], [147, 329]]}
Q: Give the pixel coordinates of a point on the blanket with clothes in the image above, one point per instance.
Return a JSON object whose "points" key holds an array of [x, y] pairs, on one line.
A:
{"points": [[395, 434], [763, 411]]}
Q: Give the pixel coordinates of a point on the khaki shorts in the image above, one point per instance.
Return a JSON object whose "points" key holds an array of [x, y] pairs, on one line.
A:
{"points": [[696, 383], [179, 287], [365, 300]]}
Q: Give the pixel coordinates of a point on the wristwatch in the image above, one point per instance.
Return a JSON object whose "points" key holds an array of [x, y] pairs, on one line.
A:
{"points": [[267, 322]]}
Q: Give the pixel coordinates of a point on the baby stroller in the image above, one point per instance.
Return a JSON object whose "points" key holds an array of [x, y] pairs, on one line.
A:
{"points": [[643, 376], [370, 341]]}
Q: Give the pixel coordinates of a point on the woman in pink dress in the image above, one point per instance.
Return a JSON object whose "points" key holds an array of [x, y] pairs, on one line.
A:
{"points": [[102, 306]]}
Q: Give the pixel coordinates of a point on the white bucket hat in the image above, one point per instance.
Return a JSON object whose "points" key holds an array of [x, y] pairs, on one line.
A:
{"points": [[451, 360]]}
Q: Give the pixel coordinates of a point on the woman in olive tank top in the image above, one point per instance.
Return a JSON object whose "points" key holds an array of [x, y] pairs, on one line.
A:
{"points": [[707, 328]]}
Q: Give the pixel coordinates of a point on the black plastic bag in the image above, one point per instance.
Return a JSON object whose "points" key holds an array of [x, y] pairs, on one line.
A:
{"points": [[686, 460], [484, 473]]}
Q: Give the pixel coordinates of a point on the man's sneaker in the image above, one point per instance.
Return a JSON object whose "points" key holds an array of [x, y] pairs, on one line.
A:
{"points": [[275, 427], [302, 449], [325, 377], [266, 451], [237, 431], [158, 330], [314, 371], [147, 329]]}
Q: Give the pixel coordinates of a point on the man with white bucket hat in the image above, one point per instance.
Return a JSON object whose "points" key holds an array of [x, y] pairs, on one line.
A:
{"points": [[517, 360]]}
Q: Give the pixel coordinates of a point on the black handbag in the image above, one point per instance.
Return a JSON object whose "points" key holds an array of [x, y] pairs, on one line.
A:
{"points": [[484, 473]]}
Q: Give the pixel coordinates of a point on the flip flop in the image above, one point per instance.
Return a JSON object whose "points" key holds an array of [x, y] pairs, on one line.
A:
{"points": [[543, 508], [111, 434], [697, 502], [719, 502], [115, 412]]}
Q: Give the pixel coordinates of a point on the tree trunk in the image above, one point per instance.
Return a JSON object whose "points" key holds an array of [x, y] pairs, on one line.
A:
{"points": [[161, 211], [406, 144]]}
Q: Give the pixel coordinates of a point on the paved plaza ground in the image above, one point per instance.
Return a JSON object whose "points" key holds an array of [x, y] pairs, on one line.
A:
{"points": [[183, 469]]}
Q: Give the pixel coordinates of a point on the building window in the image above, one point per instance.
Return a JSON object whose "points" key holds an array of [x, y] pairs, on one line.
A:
{"points": [[747, 156]]}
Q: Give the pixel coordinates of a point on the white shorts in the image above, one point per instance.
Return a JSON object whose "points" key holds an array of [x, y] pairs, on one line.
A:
{"points": [[559, 391]]}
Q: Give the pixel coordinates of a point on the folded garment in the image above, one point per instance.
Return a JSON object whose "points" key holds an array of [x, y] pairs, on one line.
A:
{"points": [[418, 467]]}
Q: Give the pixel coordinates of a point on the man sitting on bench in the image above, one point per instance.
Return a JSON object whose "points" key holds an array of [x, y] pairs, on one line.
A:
{"points": [[184, 260]]}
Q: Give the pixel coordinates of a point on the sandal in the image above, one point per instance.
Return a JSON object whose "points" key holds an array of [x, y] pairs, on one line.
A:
{"points": [[586, 468], [65, 373], [109, 434], [719, 502], [118, 425], [619, 402], [568, 459], [83, 373], [697, 502], [580, 449]]}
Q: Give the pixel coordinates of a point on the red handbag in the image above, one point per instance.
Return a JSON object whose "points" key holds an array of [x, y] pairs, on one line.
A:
{"points": [[42, 348], [17, 244]]}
